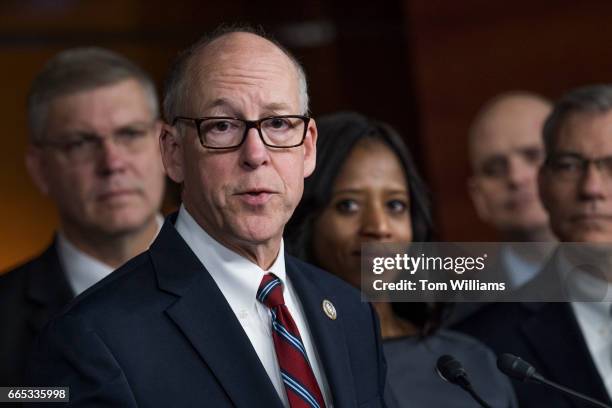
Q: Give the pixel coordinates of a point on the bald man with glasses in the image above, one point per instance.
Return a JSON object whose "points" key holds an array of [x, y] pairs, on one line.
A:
{"points": [[216, 313]]}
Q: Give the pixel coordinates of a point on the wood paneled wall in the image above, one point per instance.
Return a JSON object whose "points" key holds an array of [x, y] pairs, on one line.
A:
{"points": [[424, 66], [465, 52], [343, 46]]}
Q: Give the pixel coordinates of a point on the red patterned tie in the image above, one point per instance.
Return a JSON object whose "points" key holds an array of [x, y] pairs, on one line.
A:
{"points": [[300, 382]]}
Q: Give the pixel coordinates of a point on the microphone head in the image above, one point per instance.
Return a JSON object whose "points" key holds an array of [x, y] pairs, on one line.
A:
{"points": [[515, 367], [451, 370]]}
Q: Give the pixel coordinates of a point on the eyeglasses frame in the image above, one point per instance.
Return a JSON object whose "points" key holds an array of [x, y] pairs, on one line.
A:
{"points": [[249, 125]]}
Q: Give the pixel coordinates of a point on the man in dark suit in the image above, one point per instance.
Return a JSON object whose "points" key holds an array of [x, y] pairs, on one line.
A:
{"points": [[567, 342], [93, 118], [505, 152], [215, 314]]}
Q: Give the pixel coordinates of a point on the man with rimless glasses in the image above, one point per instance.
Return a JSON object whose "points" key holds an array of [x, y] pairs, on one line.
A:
{"points": [[93, 119], [216, 314]]}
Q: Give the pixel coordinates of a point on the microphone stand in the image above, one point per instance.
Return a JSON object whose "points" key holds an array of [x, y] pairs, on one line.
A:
{"points": [[539, 379], [474, 395]]}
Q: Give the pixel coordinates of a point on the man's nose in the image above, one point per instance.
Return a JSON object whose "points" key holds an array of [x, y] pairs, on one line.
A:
{"points": [[375, 223], [111, 156], [593, 184], [253, 152], [520, 173]]}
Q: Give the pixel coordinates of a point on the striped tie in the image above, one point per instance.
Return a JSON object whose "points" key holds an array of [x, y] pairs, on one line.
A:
{"points": [[300, 382]]}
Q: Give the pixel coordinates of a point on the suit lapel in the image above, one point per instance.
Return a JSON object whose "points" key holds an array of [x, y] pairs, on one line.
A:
{"points": [[327, 334], [47, 288], [556, 321], [203, 316]]}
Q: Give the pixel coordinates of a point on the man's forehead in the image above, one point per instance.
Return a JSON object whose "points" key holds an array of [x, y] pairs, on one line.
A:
{"points": [[511, 121], [513, 124], [229, 104], [241, 42], [128, 91], [239, 50], [226, 76], [107, 106], [504, 146], [586, 132], [523, 108]]}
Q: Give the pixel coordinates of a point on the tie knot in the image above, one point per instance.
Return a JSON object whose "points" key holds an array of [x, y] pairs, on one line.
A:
{"points": [[270, 291]]}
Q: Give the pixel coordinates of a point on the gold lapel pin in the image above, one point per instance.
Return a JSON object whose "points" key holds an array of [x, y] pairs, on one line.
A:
{"points": [[329, 309]]}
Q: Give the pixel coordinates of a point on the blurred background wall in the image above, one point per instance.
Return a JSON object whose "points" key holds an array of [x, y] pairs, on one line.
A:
{"points": [[423, 65]]}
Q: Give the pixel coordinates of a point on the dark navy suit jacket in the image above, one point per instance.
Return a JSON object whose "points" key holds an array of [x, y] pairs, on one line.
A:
{"points": [[29, 296], [159, 333], [546, 335]]}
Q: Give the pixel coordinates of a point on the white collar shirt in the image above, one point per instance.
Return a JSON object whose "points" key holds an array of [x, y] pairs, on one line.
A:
{"points": [[81, 269], [594, 319], [520, 270], [238, 280]]}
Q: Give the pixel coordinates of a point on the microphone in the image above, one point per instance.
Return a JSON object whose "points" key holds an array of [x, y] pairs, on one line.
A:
{"points": [[517, 368], [451, 370]]}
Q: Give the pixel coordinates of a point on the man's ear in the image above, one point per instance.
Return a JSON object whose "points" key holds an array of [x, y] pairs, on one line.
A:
{"points": [[478, 199], [171, 146], [159, 129], [310, 148], [36, 166]]}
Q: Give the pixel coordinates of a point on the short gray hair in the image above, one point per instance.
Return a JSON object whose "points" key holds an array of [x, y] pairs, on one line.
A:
{"points": [[81, 69], [176, 93], [586, 99]]}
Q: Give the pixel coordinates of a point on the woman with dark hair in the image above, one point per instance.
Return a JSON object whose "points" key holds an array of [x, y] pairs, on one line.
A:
{"points": [[366, 189]]}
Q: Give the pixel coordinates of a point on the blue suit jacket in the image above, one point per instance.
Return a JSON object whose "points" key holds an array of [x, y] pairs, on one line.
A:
{"points": [[159, 333]]}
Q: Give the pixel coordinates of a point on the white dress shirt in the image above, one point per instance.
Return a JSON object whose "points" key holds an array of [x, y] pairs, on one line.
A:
{"points": [[519, 269], [238, 279], [593, 317], [595, 321], [82, 270]]}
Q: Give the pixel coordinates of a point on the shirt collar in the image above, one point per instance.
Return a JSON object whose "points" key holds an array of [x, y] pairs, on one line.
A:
{"points": [[83, 270], [584, 287], [521, 268], [237, 277]]}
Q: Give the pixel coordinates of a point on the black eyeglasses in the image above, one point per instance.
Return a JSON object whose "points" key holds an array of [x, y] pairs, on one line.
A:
{"points": [[220, 132], [571, 167]]}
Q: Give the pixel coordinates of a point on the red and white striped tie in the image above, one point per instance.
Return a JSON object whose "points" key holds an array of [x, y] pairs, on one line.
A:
{"points": [[296, 372]]}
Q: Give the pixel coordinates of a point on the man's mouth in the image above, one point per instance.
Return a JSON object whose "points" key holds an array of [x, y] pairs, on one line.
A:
{"points": [[115, 194], [521, 201], [587, 218], [256, 197]]}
